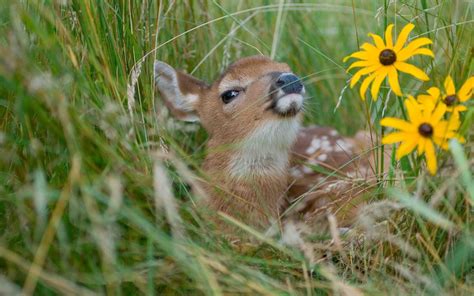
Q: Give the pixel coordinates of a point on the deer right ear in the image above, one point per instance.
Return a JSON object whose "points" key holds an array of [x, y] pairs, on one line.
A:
{"points": [[181, 92]]}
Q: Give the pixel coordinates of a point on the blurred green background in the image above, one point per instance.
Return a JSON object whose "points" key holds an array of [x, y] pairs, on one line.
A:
{"points": [[79, 123]]}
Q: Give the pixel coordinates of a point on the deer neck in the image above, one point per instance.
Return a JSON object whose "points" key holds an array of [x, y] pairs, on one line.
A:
{"points": [[252, 172]]}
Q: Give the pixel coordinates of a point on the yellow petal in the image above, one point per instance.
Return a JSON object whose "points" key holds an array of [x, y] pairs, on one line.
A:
{"points": [[421, 145], [465, 92], [456, 109], [388, 36], [407, 146], [412, 70], [407, 52], [379, 77], [430, 157], [438, 114], [378, 41], [426, 113], [441, 141], [422, 99], [461, 139], [359, 64], [449, 86], [445, 145], [454, 122], [398, 123], [362, 55], [418, 42], [362, 72], [441, 131], [369, 47], [426, 101], [402, 38], [434, 93], [412, 99], [414, 111], [393, 81], [395, 137], [447, 129], [365, 85], [422, 51]]}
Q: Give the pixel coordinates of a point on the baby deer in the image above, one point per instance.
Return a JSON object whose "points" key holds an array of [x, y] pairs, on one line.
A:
{"points": [[252, 114]]}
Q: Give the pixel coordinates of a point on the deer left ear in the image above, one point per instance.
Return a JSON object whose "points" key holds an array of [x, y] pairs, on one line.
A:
{"points": [[181, 92]]}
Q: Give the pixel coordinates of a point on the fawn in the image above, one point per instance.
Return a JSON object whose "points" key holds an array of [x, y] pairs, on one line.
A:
{"points": [[258, 157]]}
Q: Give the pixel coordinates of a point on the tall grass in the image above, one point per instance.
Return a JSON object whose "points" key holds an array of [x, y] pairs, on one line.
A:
{"points": [[83, 205]]}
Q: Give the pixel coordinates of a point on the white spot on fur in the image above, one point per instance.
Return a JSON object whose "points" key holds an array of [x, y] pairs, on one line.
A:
{"points": [[307, 170], [322, 144], [296, 172], [310, 150], [333, 133], [326, 146], [313, 146], [265, 151], [343, 146], [323, 157]]}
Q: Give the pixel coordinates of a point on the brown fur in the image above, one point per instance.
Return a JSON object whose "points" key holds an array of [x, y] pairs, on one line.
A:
{"points": [[254, 200], [258, 199], [346, 174]]}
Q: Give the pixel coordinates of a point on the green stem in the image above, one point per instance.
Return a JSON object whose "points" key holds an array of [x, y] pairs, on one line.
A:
{"points": [[369, 123]]}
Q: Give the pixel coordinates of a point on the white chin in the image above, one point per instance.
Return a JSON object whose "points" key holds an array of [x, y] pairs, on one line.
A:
{"points": [[289, 104]]}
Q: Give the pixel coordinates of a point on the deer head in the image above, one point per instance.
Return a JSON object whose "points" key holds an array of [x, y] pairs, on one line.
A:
{"points": [[250, 92], [252, 114]]}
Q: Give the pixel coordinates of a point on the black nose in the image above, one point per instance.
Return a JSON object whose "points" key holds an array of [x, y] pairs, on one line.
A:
{"points": [[289, 83]]}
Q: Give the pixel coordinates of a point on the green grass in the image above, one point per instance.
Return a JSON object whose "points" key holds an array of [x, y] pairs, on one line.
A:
{"points": [[80, 125]]}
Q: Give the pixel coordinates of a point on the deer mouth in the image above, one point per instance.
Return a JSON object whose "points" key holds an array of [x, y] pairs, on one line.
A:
{"points": [[287, 105]]}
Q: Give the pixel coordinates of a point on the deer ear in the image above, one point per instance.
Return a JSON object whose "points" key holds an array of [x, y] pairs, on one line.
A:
{"points": [[181, 92]]}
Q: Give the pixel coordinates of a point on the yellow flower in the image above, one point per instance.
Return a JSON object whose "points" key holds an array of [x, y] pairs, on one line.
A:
{"points": [[425, 128], [449, 97], [386, 59]]}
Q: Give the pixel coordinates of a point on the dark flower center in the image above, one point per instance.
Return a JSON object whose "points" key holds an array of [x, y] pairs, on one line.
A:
{"points": [[387, 57], [426, 130], [451, 100]]}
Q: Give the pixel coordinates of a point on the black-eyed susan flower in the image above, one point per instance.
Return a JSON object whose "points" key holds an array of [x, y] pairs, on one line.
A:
{"points": [[424, 129], [450, 97], [386, 58]]}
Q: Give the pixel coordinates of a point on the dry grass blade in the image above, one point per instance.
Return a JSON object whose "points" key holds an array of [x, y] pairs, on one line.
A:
{"points": [[47, 239], [131, 88], [54, 281], [422, 208], [164, 198]]}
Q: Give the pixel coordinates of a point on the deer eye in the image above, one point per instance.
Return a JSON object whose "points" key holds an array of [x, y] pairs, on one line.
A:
{"points": [[229, 95]]}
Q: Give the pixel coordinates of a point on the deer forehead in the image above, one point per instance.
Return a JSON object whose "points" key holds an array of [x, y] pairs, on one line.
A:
{"points": [[247, 70], [230, 82]]}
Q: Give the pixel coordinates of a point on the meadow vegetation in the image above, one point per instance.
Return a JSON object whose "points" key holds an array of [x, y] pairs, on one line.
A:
{"points": [[96, 179]]}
